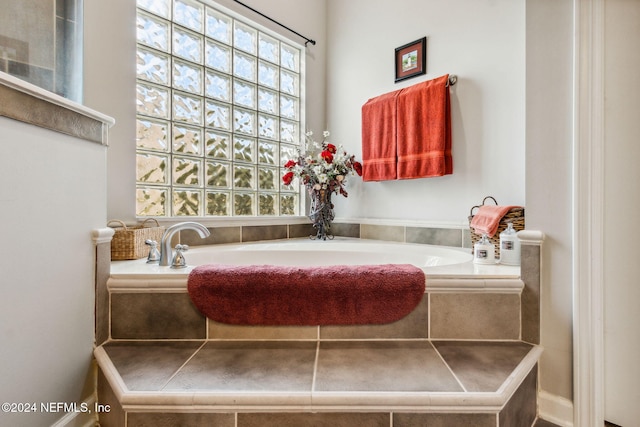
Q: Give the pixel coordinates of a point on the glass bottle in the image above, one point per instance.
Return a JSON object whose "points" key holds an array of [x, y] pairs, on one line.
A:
{"points": [[484, 251], [509, 246]]}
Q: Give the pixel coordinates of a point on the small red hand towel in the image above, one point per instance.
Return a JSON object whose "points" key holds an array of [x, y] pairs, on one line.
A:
{"points": [[487, 219], [424, 130], [379, 152]]}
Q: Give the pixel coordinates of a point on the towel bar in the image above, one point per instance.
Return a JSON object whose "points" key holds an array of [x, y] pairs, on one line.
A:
{"points": [[453, 79]]}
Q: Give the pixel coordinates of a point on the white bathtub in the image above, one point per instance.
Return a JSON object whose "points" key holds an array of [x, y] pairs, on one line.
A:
{"points": [[436, 261], [329, 252]]}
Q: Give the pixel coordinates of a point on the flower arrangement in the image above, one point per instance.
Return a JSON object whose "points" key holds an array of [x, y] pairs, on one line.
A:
{"points": [[322, 166]]}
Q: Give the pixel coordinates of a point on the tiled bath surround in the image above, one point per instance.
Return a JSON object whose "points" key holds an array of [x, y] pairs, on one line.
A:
{"points": [[144, 323], [169, 315], [396, 233]]}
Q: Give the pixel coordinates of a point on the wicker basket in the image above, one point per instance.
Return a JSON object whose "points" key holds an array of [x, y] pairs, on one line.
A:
{"points": [[514, 216], [129, 242]]}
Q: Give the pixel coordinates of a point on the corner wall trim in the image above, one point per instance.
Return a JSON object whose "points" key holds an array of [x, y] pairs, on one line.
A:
{"points": [[79, 418], [588, 214], [531, 237], [102, 235], [555, 409]]}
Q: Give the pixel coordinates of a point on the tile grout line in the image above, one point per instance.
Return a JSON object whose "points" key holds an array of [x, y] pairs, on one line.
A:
{"points": [[428, 315], [183, 365], [448, 367], [315, 369]]}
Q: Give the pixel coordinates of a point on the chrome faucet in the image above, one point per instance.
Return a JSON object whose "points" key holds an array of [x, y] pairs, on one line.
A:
{"points": [[165, 244]]}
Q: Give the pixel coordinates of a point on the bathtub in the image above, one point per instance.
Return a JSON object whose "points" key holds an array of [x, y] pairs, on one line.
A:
{"points": [[330, 252], [436, 261]]}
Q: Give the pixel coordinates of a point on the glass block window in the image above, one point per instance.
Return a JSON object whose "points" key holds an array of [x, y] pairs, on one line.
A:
{"points": [[219, 113]]}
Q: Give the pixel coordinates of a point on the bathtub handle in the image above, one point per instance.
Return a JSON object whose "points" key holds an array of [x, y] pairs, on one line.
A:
{"points": [[154, 253], [179, 260]]}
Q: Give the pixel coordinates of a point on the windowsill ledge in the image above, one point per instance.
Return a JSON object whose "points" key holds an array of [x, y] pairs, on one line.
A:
{"points": [[31, 104]]}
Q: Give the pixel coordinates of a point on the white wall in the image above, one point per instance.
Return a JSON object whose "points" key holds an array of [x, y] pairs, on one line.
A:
{"points": [[549, 178], [109, 87], [52, 196], [482, 42], [622, 205], [110, 76]]}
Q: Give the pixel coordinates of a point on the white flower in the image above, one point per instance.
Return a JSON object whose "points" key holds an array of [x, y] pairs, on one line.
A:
{"points": [[315, 172], [339, 157]]}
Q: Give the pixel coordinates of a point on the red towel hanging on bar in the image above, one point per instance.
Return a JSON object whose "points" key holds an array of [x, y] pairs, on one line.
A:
{"points": [[424, 130]]}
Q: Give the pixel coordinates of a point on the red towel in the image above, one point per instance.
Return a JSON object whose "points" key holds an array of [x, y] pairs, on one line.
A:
{"points": [[424, 130], [379, 155], [284, 295], [487, 219]]}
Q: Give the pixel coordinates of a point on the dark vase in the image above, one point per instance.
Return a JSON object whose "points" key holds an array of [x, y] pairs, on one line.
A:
{"points": [[321, 213]]}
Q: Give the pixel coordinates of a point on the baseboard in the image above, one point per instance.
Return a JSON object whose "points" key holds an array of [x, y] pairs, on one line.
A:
{"points": [[80, 419], [555, 409]]}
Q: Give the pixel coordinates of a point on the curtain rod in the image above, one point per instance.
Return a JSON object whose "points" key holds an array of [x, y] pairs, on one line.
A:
{"points": [[307, 39]]}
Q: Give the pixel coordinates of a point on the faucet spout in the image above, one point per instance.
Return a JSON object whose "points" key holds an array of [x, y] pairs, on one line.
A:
{"points": [[165, 244]]}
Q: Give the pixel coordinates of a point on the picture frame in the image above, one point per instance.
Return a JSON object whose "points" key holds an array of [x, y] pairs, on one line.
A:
{"points": [[411, 59]]}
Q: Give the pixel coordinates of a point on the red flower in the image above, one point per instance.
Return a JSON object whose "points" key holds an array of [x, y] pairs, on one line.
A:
{"points": [[327, 156], [331, 148], [358, 168], [287, 178], [290, 164]]}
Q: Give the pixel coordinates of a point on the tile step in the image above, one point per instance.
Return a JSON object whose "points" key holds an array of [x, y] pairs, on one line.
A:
{"points": [[417, 376]]}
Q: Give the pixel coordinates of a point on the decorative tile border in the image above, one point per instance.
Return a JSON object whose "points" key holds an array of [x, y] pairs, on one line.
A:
{"points": [[455, 237], [28, 103]]}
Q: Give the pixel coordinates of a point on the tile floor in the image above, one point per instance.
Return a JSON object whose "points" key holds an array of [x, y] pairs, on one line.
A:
{"points": [[304, 366], [543, 423]]}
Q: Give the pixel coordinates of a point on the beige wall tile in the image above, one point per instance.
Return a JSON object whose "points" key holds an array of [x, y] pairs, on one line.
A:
{"points": [[218, 235], [162, 419], [224, 331], [103, 266], [155, 316], [316, 420], [521, 410], [530, 273], [301, 230], [414, 325], [434, 236], [263, 232], [382, 232], [475, 316], [443, 420]]}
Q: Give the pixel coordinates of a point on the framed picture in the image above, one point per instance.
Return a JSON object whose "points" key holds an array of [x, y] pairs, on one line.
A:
{"points": [[411, 59]]}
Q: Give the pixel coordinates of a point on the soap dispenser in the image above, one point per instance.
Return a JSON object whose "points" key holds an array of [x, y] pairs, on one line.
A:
{"points": [[509, 246], [484, 251]]}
